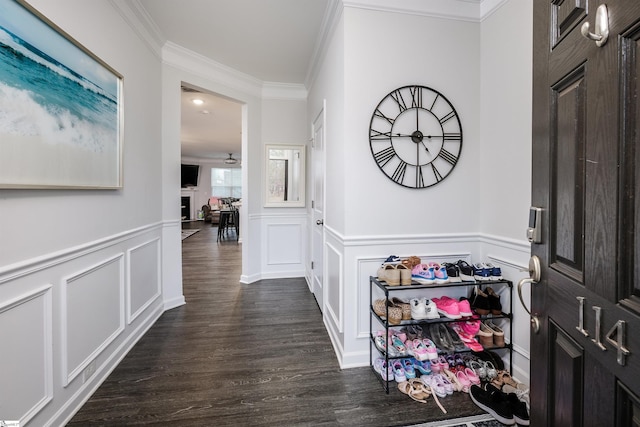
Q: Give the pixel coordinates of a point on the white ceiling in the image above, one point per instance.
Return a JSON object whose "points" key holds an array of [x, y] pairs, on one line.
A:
{"points": [[271, 40]]}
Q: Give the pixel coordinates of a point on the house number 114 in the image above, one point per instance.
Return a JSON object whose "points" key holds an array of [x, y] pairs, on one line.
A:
{"points": [[616, 335]]}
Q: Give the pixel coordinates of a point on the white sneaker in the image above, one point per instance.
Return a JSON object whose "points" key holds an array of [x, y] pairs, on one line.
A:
{"points": [[418, 309], [431, 311]]}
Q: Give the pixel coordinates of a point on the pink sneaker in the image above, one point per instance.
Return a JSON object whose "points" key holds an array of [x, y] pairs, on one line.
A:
{"points": [[440, 273], [448, 307], [432, 350], [465, 308], [419, 350], [470, 327]]}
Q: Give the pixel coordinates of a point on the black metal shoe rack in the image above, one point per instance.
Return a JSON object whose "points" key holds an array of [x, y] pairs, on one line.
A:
{"points": [[373, 281]]}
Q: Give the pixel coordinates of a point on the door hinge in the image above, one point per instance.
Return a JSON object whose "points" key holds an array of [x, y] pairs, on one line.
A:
{"points": [[312, 265], [313, 204]]}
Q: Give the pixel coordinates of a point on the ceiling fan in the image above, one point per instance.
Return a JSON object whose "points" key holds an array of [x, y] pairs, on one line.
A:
{"points": [[230, 160]]}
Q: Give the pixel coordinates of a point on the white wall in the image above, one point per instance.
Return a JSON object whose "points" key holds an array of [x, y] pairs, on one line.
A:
{"points": [[484, 74], [80, 271]]}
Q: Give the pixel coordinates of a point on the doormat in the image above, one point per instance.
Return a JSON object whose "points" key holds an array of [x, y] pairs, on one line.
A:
{"points": [[485, 420], [187, 233]]}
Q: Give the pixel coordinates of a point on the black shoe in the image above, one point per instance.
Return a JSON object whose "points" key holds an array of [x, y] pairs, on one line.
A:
{"points": [[494, 402], [452, 271], [494, 301], [479, 301], [466, 271], [519, 409]]}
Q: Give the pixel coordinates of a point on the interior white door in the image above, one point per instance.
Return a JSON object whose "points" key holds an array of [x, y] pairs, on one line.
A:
{"points": [[317, 208]]}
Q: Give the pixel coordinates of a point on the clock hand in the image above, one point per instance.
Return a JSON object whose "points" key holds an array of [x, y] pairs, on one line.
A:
{"points": [[425, 147]]}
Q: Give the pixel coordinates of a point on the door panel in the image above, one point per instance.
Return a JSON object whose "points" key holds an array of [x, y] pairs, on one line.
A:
{"points": [[585, 156], [317, 227]]}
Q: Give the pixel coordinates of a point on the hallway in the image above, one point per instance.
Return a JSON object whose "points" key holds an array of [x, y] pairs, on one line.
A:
{"points": [[246, 355]]}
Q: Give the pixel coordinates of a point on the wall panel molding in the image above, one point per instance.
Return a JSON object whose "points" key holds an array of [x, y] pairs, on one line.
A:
{"points": [[24, 268], [33, 348], [333, 298], [143, 268], [93, 315]]}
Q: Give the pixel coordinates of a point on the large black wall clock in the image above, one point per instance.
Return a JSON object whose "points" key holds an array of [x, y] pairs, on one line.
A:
{"points": [[415, 136]]}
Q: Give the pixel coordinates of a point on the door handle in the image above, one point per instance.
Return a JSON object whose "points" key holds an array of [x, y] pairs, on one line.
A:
{"points": [[319, 222], [534, 277], [602, 27]]}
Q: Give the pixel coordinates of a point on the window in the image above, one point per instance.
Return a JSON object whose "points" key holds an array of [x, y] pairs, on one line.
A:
{"points": [[226, 182]]}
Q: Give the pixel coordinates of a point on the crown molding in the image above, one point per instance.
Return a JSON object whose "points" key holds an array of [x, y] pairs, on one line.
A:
{"points": [[141, 23], [332, 15], [284, 91], [191, 62], [461, 10]]}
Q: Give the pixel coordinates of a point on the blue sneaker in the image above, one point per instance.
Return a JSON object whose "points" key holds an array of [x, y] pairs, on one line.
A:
{"points": [[423, 366], [393, 259], [495, 272], [481, 272], [424, 274], [409, 371]]}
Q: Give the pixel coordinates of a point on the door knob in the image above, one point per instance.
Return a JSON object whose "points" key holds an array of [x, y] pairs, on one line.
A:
{"points": [[319, 222], [534, 277], [601, 33]]}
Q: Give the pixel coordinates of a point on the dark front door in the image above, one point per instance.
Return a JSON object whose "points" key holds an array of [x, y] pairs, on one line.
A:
{"points": [[586, 145]]}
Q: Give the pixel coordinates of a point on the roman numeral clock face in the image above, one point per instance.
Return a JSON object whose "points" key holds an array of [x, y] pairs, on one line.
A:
{"points": [[415, 136]]}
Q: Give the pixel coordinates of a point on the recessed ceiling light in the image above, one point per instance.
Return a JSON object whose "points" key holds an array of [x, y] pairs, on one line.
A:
{"points": [[205, 112], [198, 101]]}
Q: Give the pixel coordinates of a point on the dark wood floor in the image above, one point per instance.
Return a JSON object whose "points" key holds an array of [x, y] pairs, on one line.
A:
{"points": [[245, 355]]}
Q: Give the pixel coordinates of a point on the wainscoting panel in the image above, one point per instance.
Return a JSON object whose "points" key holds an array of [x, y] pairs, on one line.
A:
{"points": [[284, 243], [26, 360], [334, 285], [93, 314], [143, 281]]}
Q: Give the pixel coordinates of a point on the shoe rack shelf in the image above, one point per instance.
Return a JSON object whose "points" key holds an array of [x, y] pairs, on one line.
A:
{"points": [[387, 290]]}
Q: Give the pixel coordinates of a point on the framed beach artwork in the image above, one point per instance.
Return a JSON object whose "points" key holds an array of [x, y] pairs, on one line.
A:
{"points": [[60, 107]]}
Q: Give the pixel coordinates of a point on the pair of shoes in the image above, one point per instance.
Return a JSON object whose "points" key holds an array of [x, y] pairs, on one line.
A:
{"points": [[445, 338], [422, 366], [383, 306], [504, 378], [384, 370], [485, 271], [395, 274], [494, 301], [465, 270], [467, 338], [404, 306], [506, 408], [392, 259], [485, 336], [429, 274], [480, 302], [391, 344], [452, 271], [497, 334], [451, 308], [413, 392], [521, 393], [423, 309], [422, 349], [398, 371], [411, 262]]}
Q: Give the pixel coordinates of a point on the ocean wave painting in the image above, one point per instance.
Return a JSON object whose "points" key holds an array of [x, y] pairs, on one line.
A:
{"points": [[59, 108]]}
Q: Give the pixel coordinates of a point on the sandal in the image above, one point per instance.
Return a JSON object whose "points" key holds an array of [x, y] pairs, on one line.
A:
{"points": [[405, 387], [491, 370], [428, 389]]}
